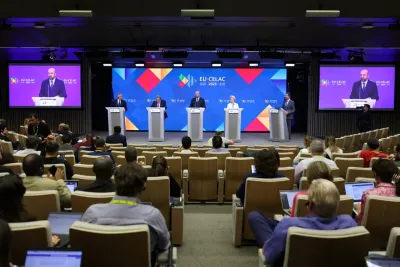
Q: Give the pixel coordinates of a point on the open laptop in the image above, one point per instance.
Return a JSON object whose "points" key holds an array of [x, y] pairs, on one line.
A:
{"points": [[60, 222], [355, 190], [53, 257], [287, 197], [72, 184]]}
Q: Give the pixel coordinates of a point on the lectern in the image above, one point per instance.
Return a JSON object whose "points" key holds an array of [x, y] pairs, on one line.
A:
{"points": [[233, 123], [355, 103], [116, 117], [278, 130], [48, 101], [195, 123], [156, 124]]}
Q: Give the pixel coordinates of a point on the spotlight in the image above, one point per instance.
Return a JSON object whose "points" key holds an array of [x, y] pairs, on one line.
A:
{"points": [[367, 25], [254, 64], [139, 64], [107, 65], [290, 64], [177, 64], [216, 64]]}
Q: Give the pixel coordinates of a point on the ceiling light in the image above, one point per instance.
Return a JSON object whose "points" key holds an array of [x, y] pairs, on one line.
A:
{"points": [[216, 64], [107, 65], [322, 13], [75, 13], [368, 25], [177, 64], [290, 64], [198, 13], [139, 64], [254, 64], [39, 25]]}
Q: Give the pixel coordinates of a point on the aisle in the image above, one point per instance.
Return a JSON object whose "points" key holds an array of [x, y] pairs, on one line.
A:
{"points": [[208, 239]]}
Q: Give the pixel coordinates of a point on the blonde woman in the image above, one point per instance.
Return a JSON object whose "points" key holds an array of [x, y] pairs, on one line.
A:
{"points": [[330, 144], [315, 170], [232, 103], [307, 142]]}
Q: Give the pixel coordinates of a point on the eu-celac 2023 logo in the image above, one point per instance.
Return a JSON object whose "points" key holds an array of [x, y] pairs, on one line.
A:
{"points": [[187, 80], [13, 80], [324, 82]]}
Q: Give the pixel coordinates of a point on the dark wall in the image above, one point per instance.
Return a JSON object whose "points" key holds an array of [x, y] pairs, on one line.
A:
{"points": [[339, 123], [101, 96], [297, 80], [80, 120]]}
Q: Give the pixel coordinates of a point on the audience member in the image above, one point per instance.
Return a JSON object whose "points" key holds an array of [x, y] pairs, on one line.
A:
{"points": [[6, 158], [5, 244], [307, 142], [100, 146], [51, 157], [66, 141], [86, 141], [40, 129], [324, 200], [266, 165], [103, 167], [3, 168], [131, 154], [159, 167], [278, 157], [372, 151], [317, 151], [397, 156], [34, 169], [217, 145], [387, 183], [4, 136], [117, 137], [225, 141], [186, 145], [315, 170], [330, 144], [60, 128], [3, 121], [126, 209], [67, 131], [31, 146]]}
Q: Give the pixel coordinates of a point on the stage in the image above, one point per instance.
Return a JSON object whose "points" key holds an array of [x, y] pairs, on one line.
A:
{"points": [[175, 138]]}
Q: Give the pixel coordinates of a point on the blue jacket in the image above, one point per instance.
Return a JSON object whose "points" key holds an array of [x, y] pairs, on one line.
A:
{"points": [[289, 108]]}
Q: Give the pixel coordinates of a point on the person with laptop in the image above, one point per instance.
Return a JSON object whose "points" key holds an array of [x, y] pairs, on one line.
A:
{"points": [[100, 145], [317, 149], [387, 184], [103, 167], [126, 208], [322, 206], [51, 157], [372, 151], [266, 166]]}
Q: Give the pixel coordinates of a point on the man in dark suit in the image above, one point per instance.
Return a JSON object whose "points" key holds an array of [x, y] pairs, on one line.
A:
{"points": [[101, 149], [119, 102], [103, 167], [38, 128], [117, 137], [52, 87], [364, 88], [364, 120], [289, 107], [159, 103], [197, 101]]}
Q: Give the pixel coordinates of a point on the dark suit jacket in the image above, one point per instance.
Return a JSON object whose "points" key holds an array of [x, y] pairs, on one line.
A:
{"points": [[6, 169], [42, 131], [57, 89], [200, 104], [364, 121], [15, 144], [68, 169], [97, 187], [114, 103], [116, 139], [370, 90], [102, 153], [163, 104], [289, 108]]}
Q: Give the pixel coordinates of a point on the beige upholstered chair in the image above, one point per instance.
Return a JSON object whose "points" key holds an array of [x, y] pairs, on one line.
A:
{"points": [[19, 158], [83, 152], [344, 163], [345, 155], [365, 180], [58, 166], [84, 179], [379, 133], [269, 147], [175, 168], [138, 145], [340, 142], [385, 132], [355, 143], [286, 162], [235, 170], [261, 195], [385, 144], [120, 160], [373, 160], [41, 203], [253, 149], [95, 240], [339, 182], [392, 144], [306, 155], [149, 155], [82, 200], [347, 247], [242, 148], [28, 235], [379, 218], [160, 147], [6, 146], [287, 155], [294, 150], [70, 159], [201, 150], [347, 143], [203, 181], [288, 172], [289, 146], [3, 174], [117, 148], [393, 247], [221, 158], [354, 172], [170, 150], [89, 160], [185, 158], [84, 169], [345, 207], [23, 130], [114, 145], [15, 167], [116, 153], [66, 152], [141, 149]]}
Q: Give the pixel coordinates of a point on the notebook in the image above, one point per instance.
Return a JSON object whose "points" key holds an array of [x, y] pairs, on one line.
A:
{"points": [[287, 197], [355, 190], [53, 257], [72, 184]]}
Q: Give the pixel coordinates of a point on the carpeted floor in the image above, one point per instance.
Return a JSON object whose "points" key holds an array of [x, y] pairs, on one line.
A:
{"points": [[208, 239]]}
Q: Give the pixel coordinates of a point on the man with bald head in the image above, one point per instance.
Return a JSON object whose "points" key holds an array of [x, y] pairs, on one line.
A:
{"points": [[103, 167], [364, 88], [52, 87], [197, 101]]}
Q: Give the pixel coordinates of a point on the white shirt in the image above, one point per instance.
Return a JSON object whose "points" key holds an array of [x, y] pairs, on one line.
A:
{"points": [[297, 158], [27, 152], [119, 102], [224, 141], [51, 82], [298, 172], [365, 84], [234, 105]]}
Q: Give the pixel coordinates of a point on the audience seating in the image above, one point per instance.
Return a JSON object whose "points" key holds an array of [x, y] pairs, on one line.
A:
{"points": [[138, 145], [392, 144], [235, 170], [185, 158], [286, 150], [286, 162], [261, 195], [344, 155], [221, 156], [239, 154], [287, 155], [334, 171], [340, 142], [41, 203], [19, 158], [160, 147], [288, 172], [379, 133], [149, 155], [269, 147], [3, 173], [347, 143], [170, 150], [373, 159], [59, 165], [95, 240], [82, 200], [253, 150], [15, 167], [344, 163], [83, 152], [28, 235], [120, 160], [242, 148], [84, 179], [66, 152], [23, 130], [355, 143], [116, 153], [385, 132], [233, 151], [175, 168], [70, 159], [384, 142], [339, 182], [6, 146], [393, 247], [114, 145], [380, 216], [354, 172], [306, 155], [89, 159], [117, 148], [141, 149], [347, 247], [84, 169], [201, 150]]}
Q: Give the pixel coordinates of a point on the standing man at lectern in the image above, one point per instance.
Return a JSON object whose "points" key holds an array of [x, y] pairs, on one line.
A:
{"points": [[52, 87], [364, 88], [232, 103], [289, 107], [119, 102], [159, 103], [197, 101]]}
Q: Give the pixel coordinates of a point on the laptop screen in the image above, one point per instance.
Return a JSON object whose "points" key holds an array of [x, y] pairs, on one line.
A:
{"points": [[59, 258], [60, 222], [287, 198], [72, 184], [355, 190]]}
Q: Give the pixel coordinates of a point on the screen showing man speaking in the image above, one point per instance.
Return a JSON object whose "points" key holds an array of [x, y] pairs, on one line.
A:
{"points": [[350, 87], [44, 85]]}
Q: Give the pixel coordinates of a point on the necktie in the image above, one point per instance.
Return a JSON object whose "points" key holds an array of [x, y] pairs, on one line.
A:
{"points": [[197, 99], [363, 85], [287, 103], [51, 83], [119, 103]]}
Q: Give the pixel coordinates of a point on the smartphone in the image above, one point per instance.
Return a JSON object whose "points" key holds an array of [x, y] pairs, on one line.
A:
{"points": [[53, 170], [253, 169]]}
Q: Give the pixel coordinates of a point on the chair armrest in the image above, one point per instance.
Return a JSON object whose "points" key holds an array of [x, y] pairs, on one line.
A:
{"points": [[380, 253], [185, 180], [177, 223], [221, 186], [237, 215], [278, 217], [162, 258], [235, 201]]}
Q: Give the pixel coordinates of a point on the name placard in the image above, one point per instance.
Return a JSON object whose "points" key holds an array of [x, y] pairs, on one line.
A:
{"points": [[48, 103], [273, 111], [235, 111], [195, 110], [155, 110], [114, 110]]}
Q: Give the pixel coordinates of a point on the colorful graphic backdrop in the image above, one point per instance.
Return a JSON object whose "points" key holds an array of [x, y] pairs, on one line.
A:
{"points": [[254, 89]]}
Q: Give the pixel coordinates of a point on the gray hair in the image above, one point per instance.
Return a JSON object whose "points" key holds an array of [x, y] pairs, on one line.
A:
{"points": [[119, 94], [234, 98], [325, 198], [317, 147], [158, 96]]}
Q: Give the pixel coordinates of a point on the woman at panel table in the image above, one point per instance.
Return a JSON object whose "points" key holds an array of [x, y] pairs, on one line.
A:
{"points": [[232, 103]]}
